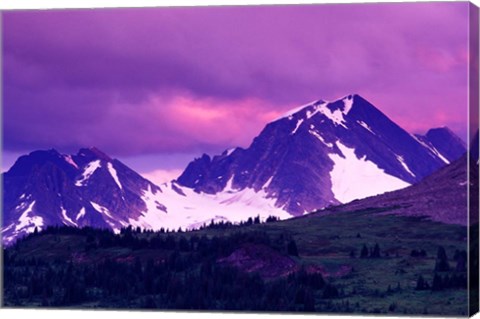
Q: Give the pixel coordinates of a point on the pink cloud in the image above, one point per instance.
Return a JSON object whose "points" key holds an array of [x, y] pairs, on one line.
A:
{"points": [[181, 123], [441, 60], [160, 176]]}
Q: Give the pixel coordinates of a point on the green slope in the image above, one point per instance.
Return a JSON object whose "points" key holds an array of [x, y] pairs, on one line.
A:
{"points": [[251, 267]]}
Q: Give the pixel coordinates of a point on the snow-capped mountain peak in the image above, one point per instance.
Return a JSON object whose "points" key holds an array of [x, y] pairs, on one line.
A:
{"points": [[342, 105], [321, 154], [93, 153], [306, 153], [86, 189], [335, 112]]}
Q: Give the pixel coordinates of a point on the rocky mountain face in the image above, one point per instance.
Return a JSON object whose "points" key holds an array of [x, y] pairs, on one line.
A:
{"points": [[444, 142], [325, 154], [86, 189], [441, 196], [319, 155]]}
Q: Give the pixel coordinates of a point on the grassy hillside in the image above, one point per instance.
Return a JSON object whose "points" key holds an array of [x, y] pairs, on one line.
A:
{"points": [[356, 261]]}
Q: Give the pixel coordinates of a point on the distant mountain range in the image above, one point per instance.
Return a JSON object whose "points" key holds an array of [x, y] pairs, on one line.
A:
{"points": [[318, 155]]}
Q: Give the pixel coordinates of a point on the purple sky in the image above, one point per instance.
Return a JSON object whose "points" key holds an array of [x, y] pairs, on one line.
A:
{"points": [[155, 87]]}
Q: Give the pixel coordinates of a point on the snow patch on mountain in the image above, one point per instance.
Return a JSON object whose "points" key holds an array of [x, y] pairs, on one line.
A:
{"points": [[320, 106], [405, 166], [89, 170], [436, 152], [4, 230], [431, 149], [101, 209], [113, 172], [299, 122], [21, 206], [197, 209], [319, 137], [335, 116], [229, 186], [28, 223], [365, 126], [114, 223], [230, 151], [69, 160], [355, 178], [348, 103], [267, 183], [151, 199], [80, 214], [67, 220]]}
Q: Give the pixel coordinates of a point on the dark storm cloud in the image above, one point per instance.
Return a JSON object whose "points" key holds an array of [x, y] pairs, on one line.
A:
{"points": [[136, 81]]}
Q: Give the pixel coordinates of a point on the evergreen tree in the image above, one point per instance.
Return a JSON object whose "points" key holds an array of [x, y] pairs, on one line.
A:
{"points": [[309, 301], [364, 252], [330, 292], [461, 259], [437, 284], [421, 283], [442, 260], [375, 252], [292, 248]]}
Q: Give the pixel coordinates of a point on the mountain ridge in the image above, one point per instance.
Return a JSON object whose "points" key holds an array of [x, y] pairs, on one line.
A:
{"points": [[314, 131], [319, 156]]}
